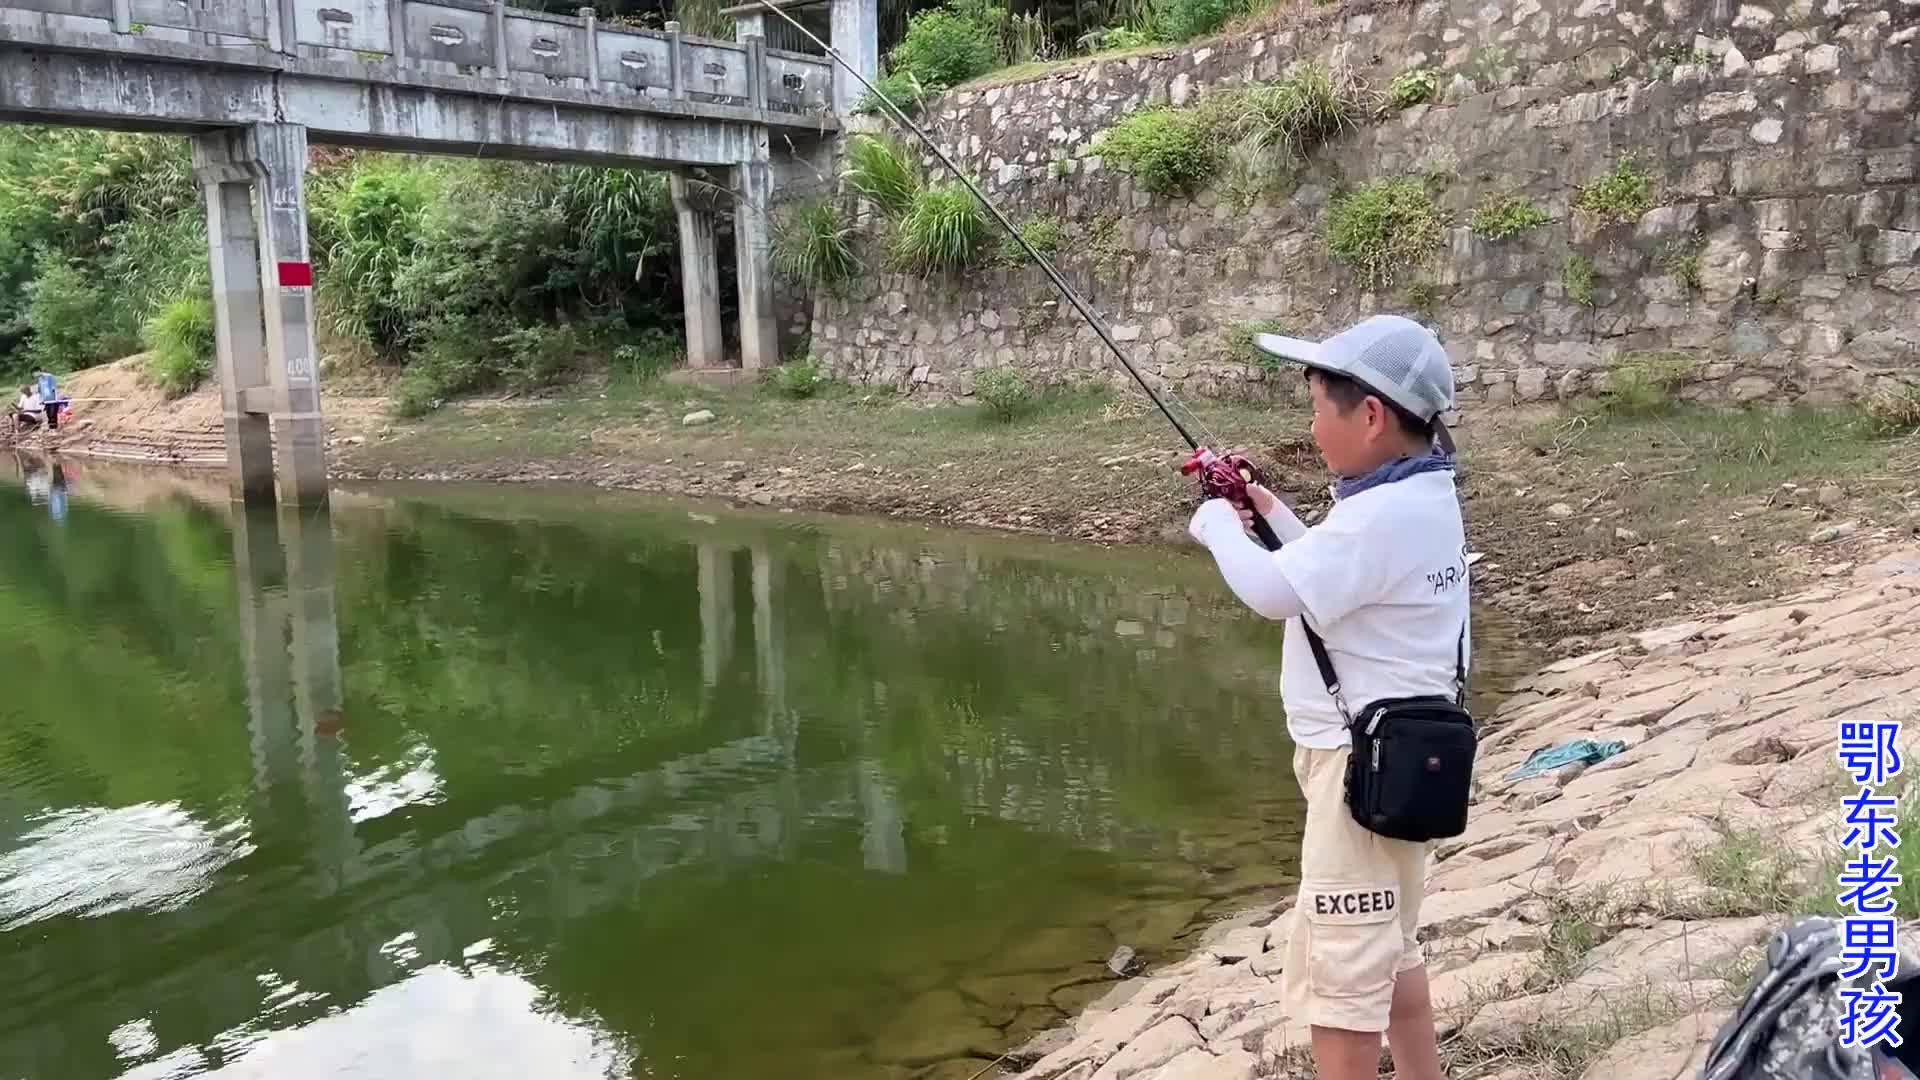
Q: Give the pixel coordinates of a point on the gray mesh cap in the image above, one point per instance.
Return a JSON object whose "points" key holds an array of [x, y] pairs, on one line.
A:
{"points": [[1394, 357]]}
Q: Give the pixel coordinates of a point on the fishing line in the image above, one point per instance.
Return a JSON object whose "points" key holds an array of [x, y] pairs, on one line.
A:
{"points": [[1220, 475], [1060, 282]]}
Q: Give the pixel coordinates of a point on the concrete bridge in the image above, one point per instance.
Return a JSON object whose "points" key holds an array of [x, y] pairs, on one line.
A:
{"points": [[253, 82]]}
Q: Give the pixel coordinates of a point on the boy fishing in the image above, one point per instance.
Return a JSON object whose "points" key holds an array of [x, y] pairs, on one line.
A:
{"points": [[1384, 578], [1375, 598]]}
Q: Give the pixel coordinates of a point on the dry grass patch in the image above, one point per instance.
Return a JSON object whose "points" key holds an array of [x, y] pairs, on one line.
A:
{"points": [[1562, 1048]]}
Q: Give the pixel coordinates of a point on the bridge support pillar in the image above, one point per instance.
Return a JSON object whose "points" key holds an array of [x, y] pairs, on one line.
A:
{"points": [[699, 274], [856, 37], [753, 252], [240, 339], [255, 183]]}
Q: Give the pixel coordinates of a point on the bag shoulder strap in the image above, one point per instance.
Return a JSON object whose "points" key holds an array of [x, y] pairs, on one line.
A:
{"points": [[1327, 675], [1325, 664], [1460, 665]]}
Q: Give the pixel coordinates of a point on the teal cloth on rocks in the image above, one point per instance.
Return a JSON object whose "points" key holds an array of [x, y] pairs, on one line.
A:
{"points": [[1547, 759]]}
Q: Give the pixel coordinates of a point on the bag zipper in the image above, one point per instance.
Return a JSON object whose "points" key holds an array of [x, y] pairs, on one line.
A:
{"points": [[1376, 755]]}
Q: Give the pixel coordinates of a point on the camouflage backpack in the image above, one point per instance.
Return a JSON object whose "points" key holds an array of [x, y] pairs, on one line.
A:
{"points": [[1788, 1025]]}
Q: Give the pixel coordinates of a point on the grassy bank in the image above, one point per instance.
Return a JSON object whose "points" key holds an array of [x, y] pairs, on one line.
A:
{"points": [[1590, 521]]}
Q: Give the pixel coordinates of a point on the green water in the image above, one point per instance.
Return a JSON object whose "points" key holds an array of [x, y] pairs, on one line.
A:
{"points": [[509, 783]]}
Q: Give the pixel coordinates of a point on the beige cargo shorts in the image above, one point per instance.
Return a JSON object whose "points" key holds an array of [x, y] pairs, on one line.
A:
{"points": [[1355, 926]]}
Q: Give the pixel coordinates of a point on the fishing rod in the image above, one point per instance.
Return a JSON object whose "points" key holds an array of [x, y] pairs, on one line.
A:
{"points": [[1226, 475]]}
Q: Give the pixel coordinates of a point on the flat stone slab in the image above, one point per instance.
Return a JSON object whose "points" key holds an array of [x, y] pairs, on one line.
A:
{"points": [[1492, 977], [1158, 1045], [1200, 1065], [1676, 1049]]}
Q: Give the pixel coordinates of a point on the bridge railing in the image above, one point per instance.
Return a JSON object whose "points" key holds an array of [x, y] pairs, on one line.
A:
{"points": [[478, 37]]}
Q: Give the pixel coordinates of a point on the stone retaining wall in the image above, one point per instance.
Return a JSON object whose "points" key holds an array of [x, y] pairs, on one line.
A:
{"points": [[1782, 136]]}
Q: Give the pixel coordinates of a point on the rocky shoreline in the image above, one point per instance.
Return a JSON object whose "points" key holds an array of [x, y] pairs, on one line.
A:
{"points": [[1597, 921]]}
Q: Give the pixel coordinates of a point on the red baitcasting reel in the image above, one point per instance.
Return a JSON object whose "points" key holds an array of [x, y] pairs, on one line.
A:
{"points": [[1226, 476]]}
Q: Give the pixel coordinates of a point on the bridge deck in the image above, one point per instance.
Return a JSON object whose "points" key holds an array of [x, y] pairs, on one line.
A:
{"points": [[436, 76]]}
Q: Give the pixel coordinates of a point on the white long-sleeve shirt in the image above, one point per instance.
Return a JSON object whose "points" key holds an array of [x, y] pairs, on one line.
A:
{"points": [[1249, 569], [1382, 579]]}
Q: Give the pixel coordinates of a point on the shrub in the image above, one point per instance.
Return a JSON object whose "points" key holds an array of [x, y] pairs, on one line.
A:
{"points": [[1252, 173], [146, 262], [419, 394], [19, 259], [1170, 151], [1414, 86], [1489, 64], [116, 216], [1240, 343], [606, 224], [1113, 38], [652, 354], [1043, 234], [900, 87], [1004, 392], [1894, 408], [1500, 216], [63, 309], [1184, 20], [812, 245], [497, 247], [800, 379], [1641, 384], [537, 355], [878, 168], [1620, 196], [458, 356], [404, 244], [1681, 258], [1027, 39], [1579, 277], [1384, 227], [944, 229], [1310, 106], [368, 230], [1661, 62], [1422, 298], [180, 338], [408, 251], [704, 18], [947, 45]]}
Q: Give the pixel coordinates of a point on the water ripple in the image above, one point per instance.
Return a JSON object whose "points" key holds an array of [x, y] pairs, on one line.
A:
{"points": [[94, 860]]}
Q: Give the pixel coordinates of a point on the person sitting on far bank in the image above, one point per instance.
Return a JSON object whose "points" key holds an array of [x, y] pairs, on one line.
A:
{"points": [[1383, 580], [28, 410]]}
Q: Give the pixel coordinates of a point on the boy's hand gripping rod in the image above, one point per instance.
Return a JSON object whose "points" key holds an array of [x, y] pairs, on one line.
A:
{"points": [[1224, 476]]}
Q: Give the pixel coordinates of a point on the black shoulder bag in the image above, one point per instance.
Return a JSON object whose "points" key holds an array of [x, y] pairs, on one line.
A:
{"points": [[1411, 773]]}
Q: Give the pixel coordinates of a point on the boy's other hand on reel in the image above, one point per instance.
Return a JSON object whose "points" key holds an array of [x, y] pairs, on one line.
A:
{"points": [[1263, 501]]}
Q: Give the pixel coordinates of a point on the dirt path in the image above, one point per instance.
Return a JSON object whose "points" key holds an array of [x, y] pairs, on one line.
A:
{"points": [[1589, 524]]}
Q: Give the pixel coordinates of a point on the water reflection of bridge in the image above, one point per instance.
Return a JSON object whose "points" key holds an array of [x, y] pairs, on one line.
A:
{"points": [[285, 564], [362, 895]]}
